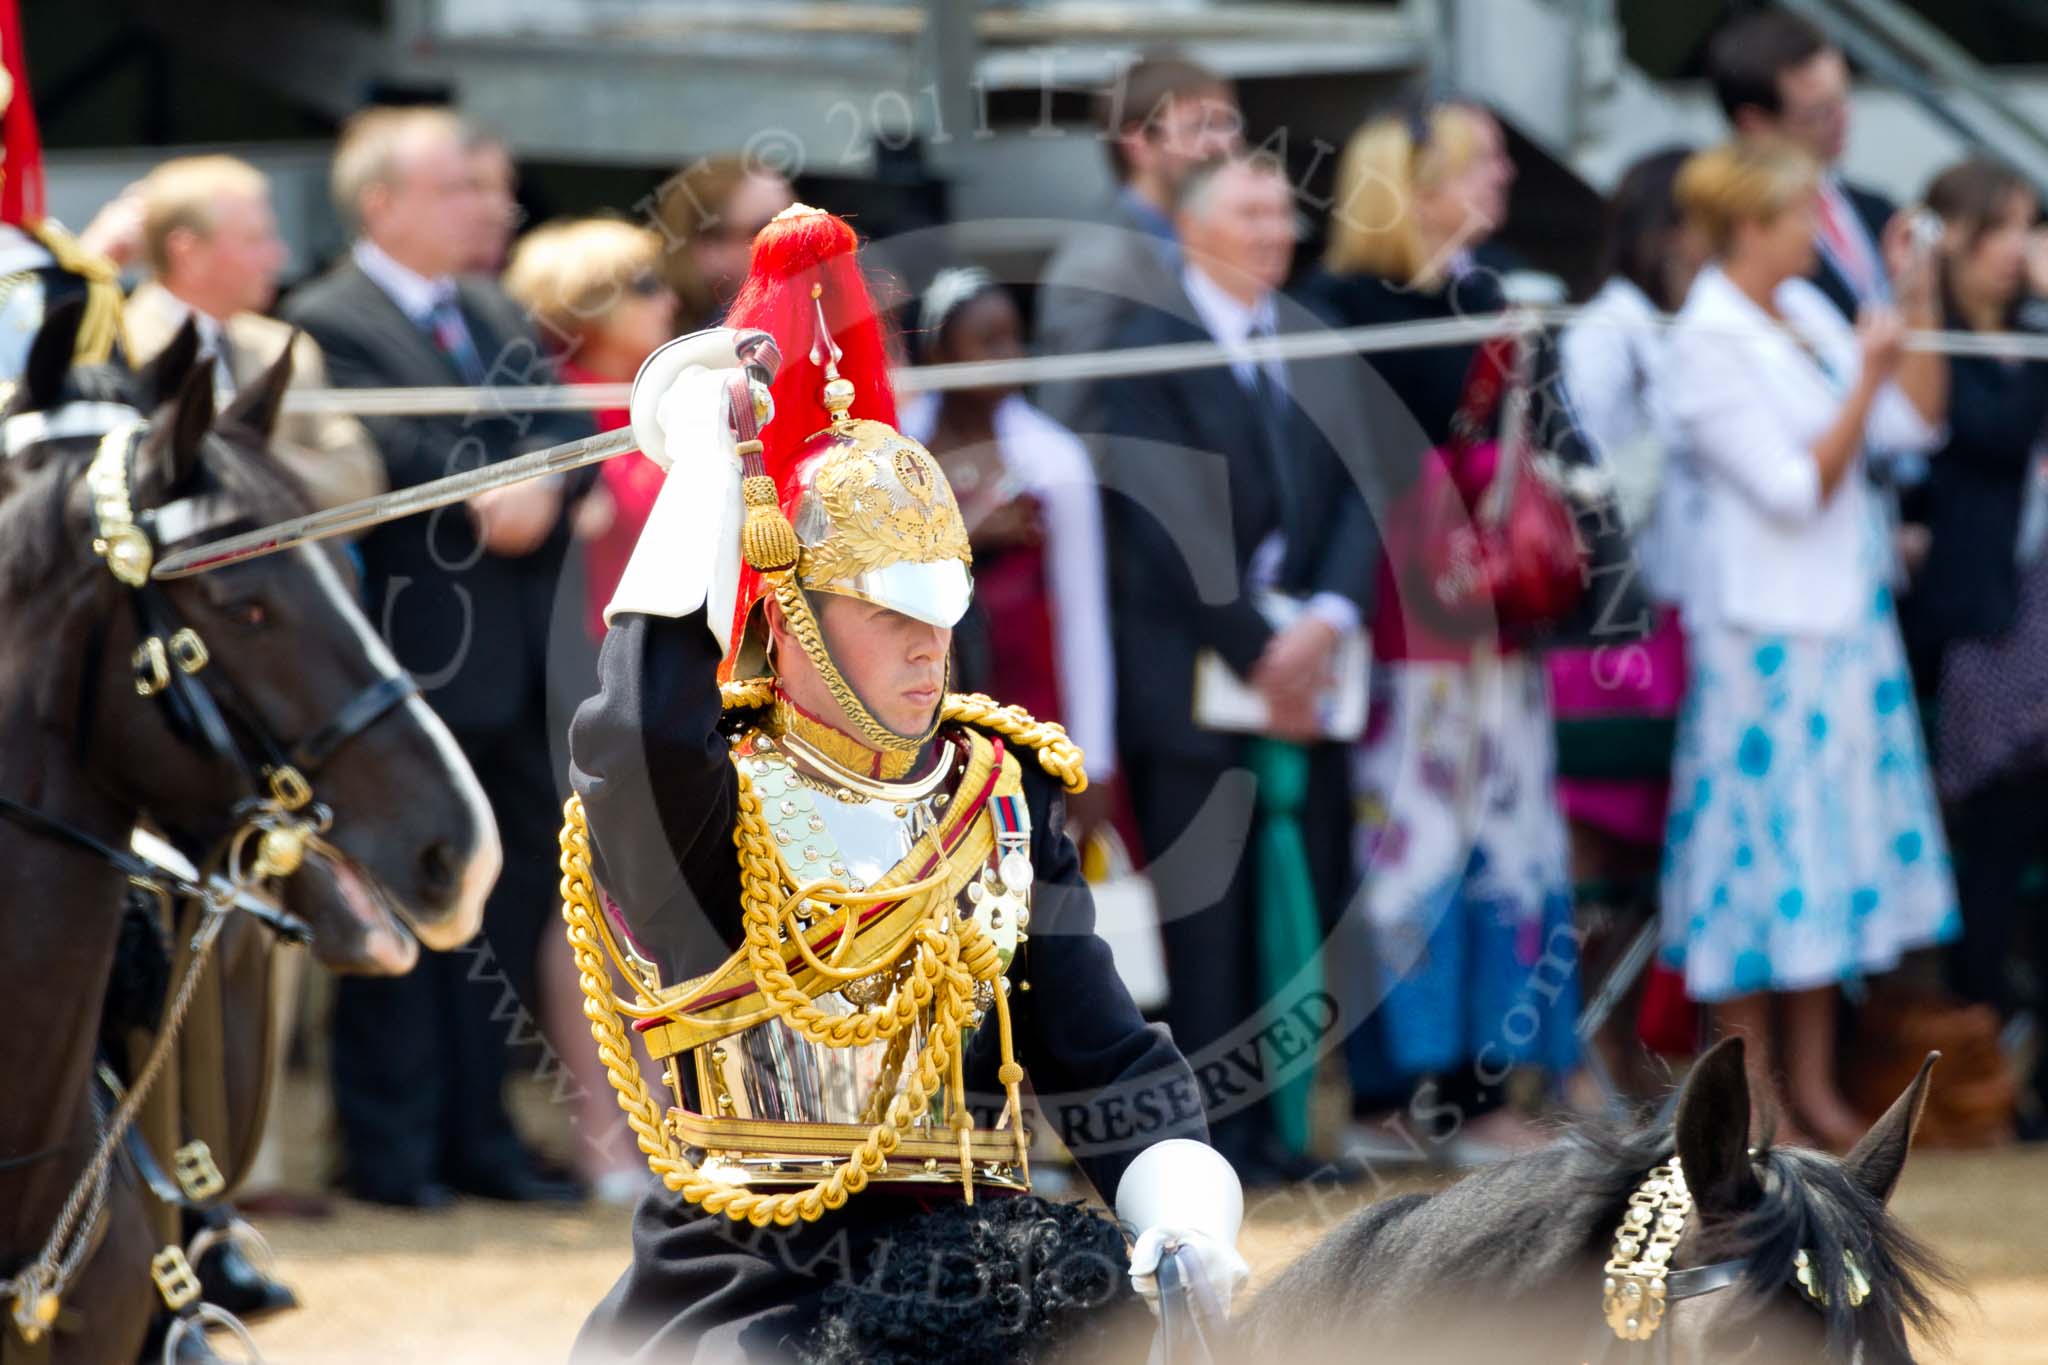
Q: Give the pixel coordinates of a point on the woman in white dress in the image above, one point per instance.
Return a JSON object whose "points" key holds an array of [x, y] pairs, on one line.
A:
{"points": [[1613, 360], [1803, 848]]}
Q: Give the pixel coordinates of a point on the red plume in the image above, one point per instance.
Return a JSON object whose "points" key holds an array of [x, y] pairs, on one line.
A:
{"points": [[801, 250], [807, 248]]}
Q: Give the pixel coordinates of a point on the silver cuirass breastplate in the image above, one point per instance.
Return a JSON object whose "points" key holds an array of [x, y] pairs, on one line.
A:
{"points": [[852, 834]]}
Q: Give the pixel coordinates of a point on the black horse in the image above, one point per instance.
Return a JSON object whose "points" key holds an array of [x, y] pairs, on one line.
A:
{"points": [[1510, 1263], [292, 674], [1784, 1256]]}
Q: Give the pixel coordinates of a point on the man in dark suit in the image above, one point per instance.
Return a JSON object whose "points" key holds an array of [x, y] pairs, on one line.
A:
{"points": [[1160, 119], [464, 599], [1224, 484], [1777, 76]]}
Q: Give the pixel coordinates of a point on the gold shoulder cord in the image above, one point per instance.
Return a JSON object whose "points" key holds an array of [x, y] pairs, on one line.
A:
{"points": [[953, 955], [99, 331], [1058, 756]]}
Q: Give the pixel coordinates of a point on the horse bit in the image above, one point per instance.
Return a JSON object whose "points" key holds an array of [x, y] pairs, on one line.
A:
{"points": [[1639, 1282], [281, 822]]}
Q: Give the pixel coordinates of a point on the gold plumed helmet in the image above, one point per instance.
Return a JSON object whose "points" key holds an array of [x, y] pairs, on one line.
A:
{"points": [[836, 502]]}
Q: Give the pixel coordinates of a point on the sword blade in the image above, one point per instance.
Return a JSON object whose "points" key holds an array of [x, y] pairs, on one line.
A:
{"points": [[365, 513]]}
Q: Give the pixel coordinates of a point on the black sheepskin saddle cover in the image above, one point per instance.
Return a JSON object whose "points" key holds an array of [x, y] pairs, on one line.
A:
{"points": [[1006, 1279]]}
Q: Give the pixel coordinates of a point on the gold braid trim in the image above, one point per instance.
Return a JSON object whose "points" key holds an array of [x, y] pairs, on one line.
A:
{"points": [[879, 943], [747, 694], [954, 946], [764, 912], [99, 331], [1059, 756]]}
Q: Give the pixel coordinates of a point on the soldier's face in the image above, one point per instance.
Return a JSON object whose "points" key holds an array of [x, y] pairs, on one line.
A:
{"points": [[896, 663]]}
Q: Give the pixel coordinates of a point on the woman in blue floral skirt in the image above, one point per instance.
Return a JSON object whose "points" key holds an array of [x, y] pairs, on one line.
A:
{"points": [[1804, 847]]}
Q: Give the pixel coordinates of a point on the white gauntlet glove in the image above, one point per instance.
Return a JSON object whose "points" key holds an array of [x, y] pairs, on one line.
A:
{"points": [[688, 553], [1181, 1193]]}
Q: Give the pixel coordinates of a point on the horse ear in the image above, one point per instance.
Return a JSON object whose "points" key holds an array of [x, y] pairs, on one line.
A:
{"points": [[49, 357], [1878, 1159], [165, 373], [1712, 1132], [191, 417], [256, 406]]}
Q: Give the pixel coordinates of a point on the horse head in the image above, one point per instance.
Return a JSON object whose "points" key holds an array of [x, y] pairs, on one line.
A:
{"points": [[1602, 1249], [1822, 1271], [264, 686]]}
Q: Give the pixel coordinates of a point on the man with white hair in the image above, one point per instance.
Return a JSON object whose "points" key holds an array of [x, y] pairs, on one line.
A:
{"points": [[1226, 490], [464, 598], [210, 240]]}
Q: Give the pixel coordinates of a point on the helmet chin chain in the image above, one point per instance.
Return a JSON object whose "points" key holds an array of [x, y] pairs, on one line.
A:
{"points": [[803, 624]]}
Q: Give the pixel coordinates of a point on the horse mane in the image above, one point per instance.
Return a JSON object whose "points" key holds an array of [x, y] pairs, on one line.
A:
{"points": [[1812, 1203], [37, 543], [1518, 1230]]}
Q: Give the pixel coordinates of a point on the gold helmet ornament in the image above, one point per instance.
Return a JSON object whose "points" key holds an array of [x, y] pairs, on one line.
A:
{"points": [[837, 500]]}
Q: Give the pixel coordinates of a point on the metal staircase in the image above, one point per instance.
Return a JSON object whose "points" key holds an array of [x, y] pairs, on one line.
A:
{"points": [[1557, 68], [1950, 87]]}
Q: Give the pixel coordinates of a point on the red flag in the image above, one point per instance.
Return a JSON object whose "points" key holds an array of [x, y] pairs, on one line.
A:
{"points": [[21, 146]]}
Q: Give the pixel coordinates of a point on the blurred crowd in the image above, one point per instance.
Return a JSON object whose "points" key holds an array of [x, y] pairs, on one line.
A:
{"points": [[1824, 669]]}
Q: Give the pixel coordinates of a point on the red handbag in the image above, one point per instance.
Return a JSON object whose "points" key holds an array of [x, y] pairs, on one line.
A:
{"points": [[1485, 541]]}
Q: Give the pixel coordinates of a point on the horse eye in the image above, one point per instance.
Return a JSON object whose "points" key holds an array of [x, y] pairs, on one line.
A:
{"points": [[249, 615]]}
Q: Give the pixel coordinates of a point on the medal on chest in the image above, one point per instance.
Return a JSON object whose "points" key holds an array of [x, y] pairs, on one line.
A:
{"points": [[1000, 896]]}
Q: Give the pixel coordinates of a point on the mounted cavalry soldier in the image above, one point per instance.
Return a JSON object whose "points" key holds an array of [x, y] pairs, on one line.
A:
{"points": [[850, 920], [847, 1006]]}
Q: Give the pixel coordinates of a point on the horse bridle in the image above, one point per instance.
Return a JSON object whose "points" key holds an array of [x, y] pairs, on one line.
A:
{"points": [[1639, 1284], [279, 814]]}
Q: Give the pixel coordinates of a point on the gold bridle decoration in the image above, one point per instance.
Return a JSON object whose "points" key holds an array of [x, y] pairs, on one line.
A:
{"points": [[953, 955], [1632, 1294], [1637, 1283]]}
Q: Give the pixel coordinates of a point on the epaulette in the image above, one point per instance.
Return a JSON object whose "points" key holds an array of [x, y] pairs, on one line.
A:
{"points": [[99, 332], [1059, 756]]}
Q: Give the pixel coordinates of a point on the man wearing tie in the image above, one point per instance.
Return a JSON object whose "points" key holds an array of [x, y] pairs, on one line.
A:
{"points": [[1221, 486], [1777, 77], [464, 598], [211, 244]]}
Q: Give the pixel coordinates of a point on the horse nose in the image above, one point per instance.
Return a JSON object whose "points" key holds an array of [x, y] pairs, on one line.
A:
{"points": [[441, 868]]}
